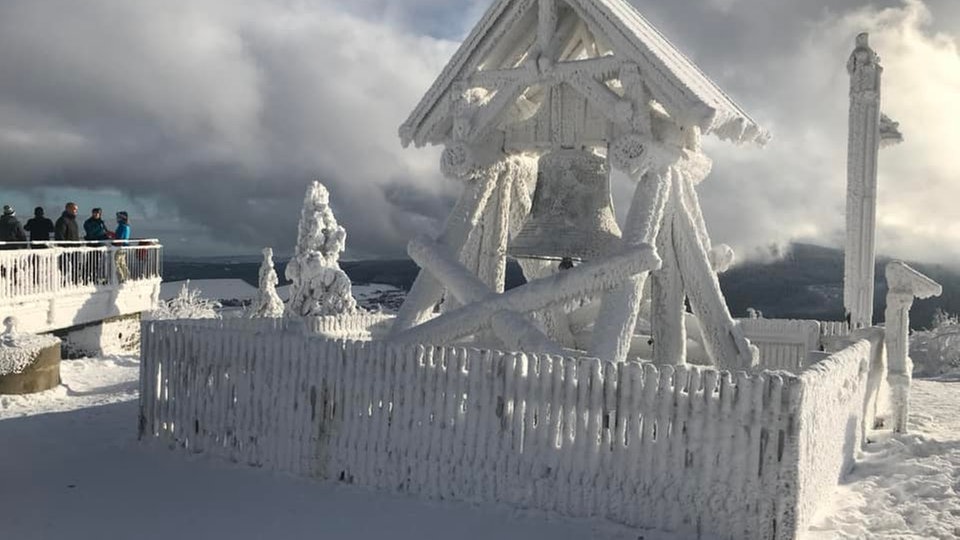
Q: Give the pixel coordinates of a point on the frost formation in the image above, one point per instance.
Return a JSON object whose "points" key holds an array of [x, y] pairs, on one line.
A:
{"points": [[188, 304], [320, 287], [268, 303]]}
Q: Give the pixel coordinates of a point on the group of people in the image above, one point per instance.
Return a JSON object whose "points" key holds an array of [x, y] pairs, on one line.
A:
{"points": [[65, 229]]}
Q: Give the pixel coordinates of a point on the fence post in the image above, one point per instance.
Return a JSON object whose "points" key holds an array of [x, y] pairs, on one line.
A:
{"points": [[903, 284]]}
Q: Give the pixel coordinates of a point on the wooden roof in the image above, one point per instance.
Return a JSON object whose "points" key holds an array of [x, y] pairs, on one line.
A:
{"points": [[672, 79]]}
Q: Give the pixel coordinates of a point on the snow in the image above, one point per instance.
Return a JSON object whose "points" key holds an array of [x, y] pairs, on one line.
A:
{"points": [[268, 304], [187, 304], [20, 350], [211, 289], [320, 287], [904, 486], [72, 468]]}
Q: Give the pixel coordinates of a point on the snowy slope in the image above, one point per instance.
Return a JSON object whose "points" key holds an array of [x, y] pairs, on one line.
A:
{"points": [[212, 289]]}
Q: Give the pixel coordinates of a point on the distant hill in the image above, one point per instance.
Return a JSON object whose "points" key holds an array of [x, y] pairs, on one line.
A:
{"points": [[807, 283]]}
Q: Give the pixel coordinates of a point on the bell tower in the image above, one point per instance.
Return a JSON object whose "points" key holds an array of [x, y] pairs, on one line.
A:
{"points": [[542, 100]]}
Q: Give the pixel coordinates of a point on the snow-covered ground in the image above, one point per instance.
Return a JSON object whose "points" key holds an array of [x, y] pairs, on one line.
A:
{"points": [[905, 486], [71, 467]]}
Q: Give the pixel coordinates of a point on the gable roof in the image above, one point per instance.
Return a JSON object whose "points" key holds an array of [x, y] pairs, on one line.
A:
{"points": [[674, 81]]}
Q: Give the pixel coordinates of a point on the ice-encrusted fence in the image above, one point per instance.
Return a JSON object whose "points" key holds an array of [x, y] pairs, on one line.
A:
{"points": [[684, 449], [783, 343]]}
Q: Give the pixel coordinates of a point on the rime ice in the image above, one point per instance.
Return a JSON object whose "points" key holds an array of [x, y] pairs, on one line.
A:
{"points": [[319, 286]]}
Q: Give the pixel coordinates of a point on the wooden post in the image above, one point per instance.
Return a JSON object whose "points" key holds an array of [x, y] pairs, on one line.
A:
{"points": [[904, 284]]}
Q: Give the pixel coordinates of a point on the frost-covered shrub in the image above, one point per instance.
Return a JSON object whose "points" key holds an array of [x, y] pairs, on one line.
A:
{"points": [[268, 303], [188, 304], [936, 351], [320, 288]]}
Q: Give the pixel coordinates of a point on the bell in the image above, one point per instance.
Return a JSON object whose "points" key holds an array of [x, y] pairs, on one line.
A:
{"points": [[572, 214]]}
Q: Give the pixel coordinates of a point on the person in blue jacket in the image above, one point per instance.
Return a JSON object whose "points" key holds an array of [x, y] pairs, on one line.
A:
{"points": [[123, 226], [122, 233]]}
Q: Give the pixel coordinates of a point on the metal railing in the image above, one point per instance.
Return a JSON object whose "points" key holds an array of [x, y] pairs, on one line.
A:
{"points": [[47, 268]]}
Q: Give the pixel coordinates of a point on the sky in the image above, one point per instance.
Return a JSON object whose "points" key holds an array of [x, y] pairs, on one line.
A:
{"points": [[207, 120]]}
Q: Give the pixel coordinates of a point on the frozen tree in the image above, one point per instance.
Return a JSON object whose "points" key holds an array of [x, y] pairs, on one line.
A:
{"points": [[267, 304], [188, 304], [936, 352], [319, 286]]}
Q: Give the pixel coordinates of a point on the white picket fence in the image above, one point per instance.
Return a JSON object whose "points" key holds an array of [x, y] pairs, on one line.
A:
{"points": [[682, 449], [783, 343]]}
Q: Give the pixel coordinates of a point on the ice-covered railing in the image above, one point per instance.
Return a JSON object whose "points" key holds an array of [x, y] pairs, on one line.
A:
{"points": [[29, 269], [687, 449], [357, 326]]}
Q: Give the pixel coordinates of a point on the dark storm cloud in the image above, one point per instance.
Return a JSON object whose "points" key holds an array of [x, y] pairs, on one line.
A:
{"points": [[224, 111]]}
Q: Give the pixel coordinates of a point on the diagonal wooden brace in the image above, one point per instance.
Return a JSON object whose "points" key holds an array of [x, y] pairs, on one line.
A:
{"points": [[513, 329], [535, 295]]}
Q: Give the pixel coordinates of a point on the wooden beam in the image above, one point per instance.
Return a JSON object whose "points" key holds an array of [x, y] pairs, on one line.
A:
{"points": [[722, 337], [485, 117], [534, 296], [614, 326], [615, 108], [426, 290], [546, 24], [515, 330], [492, 79], [603, 68]]}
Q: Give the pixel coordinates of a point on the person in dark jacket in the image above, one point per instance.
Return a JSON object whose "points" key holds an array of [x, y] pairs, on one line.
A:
{"points": [[39, 226], [10, 231], [66, 228], [94, 228], [10, 228]]}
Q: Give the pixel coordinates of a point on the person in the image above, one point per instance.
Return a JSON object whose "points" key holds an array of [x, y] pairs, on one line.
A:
{"points": [[40, 227], [94, 228], [10, 231], [66, 227], [10, 228], [123, 226], [67, 230], [120, 256]]}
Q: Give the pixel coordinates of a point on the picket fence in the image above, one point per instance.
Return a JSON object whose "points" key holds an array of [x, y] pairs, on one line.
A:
{"points": [[783, 343], [686, 449]]}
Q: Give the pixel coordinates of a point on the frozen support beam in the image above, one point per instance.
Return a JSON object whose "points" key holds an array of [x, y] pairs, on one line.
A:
{"points": [[613, 331], [904, 285], [511, 328], [535, 296], [863, 146], [426, 291]]}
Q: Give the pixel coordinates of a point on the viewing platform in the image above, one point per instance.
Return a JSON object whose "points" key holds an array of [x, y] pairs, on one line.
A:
{"points": [[51, 286]]}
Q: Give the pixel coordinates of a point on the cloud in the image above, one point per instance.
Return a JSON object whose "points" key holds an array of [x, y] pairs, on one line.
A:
{"points": [[219, 113], [225, 110], [795, 188]]}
